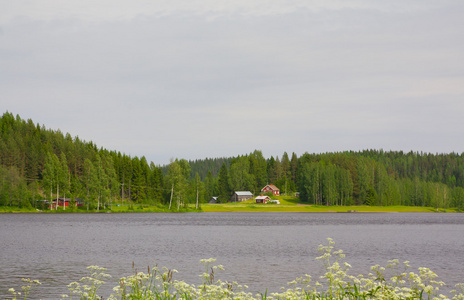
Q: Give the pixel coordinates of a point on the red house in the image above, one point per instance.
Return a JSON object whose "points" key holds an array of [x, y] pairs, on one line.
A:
{"points": [[65, 202], [271, 188], [262, 199]]}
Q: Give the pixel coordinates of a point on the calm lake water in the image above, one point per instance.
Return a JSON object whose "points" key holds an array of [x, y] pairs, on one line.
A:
{"points": [[261, 250]]}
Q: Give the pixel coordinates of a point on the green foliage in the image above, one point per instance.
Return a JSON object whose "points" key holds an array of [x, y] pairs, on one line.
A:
{"points": [[45, 164], [177, 178], [37, 163], [240, 178], [223, 184]]}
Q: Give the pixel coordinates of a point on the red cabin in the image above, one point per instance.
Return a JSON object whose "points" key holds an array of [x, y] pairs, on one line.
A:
{"points": [[65, 202], [262, 199]]}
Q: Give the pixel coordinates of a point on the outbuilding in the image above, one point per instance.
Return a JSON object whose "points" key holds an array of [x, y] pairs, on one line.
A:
{"points": [[262, 199], [241, 196]]}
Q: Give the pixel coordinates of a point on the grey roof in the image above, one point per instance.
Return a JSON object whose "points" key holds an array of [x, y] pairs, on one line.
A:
{"points": [[243, 193]]}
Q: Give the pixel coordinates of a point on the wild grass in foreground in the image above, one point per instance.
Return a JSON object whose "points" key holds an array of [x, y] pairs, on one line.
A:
{"points": [[393, 281]]}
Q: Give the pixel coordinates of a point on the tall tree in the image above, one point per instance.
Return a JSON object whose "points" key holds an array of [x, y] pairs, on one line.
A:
{"points": [[272, 170], [155, 182], [258, 169], [139, 179], [64, 177], [240, 178], [48, 175], [91, 183], [178, 174], [101, 184], [210, 186], [111, 184], [223, 184], [294, 166], [198, 189]]}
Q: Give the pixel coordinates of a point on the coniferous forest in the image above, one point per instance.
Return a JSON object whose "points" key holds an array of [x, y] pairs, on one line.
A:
{"points": [[39, 164]]}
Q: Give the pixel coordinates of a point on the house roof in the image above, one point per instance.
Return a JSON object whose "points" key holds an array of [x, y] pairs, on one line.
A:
{"points": [[273, 187], [243, 193], [61, 199], [262, 197]]}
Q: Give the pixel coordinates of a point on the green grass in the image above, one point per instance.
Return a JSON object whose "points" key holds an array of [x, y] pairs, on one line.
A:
{"points": [[149, 209], [287, 204], [10, 209], [292, 204], [311, 208], [135, 208]]}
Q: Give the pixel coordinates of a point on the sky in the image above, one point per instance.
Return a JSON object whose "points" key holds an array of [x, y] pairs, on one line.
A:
{"points": [[211, 78]]}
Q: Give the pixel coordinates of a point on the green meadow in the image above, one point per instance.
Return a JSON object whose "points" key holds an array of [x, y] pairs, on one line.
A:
{"points": [[291, 204], [287, 204]]}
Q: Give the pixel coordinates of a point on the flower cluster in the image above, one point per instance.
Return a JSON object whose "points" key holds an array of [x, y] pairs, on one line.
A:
{"points": [[29, 285], [88, 286]]}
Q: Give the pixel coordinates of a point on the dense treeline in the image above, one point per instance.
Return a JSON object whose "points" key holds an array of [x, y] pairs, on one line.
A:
{"points": [[382, 178], [38, 163]]}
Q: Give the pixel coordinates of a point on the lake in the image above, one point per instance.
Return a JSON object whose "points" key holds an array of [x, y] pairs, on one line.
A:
{"points": [[261, 250]]}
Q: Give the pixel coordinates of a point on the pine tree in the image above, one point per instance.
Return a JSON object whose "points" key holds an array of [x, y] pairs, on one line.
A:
{"points": [[209, 186], [91, 183], [48, 175], [64, 177], [223, 184]]}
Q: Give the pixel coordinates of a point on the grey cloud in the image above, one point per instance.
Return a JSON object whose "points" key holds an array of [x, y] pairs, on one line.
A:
{"points": [[351, 75]]}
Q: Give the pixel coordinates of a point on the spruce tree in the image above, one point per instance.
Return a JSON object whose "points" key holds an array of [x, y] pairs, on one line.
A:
{"points": [[223, 184]]}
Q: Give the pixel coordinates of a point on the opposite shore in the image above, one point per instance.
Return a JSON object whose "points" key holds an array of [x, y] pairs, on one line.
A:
{"points": [[242, 207]]}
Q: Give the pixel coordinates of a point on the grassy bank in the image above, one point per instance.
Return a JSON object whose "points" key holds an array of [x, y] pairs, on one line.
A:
{"points": [[287, 204], [10, 209], [291, 204], [243, 207], [114, 209], [314, 208]]}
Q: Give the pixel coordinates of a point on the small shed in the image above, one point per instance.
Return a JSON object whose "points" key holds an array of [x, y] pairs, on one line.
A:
{"points": [[213, 200], [241, 196], [262, 199], [271, 188], [79, 202]]}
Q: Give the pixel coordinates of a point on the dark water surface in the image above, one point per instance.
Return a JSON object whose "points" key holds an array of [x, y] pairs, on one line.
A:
{"points": [[261, 250]]}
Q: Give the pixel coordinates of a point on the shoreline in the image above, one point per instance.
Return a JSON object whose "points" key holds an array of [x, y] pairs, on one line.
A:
{"points": [[248, 207]]}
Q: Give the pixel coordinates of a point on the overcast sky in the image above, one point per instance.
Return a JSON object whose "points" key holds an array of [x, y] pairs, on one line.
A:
{"points": [[211, 78]]}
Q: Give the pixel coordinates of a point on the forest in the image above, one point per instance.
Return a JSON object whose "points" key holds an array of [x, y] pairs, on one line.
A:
{"points": [[39, 164]]}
